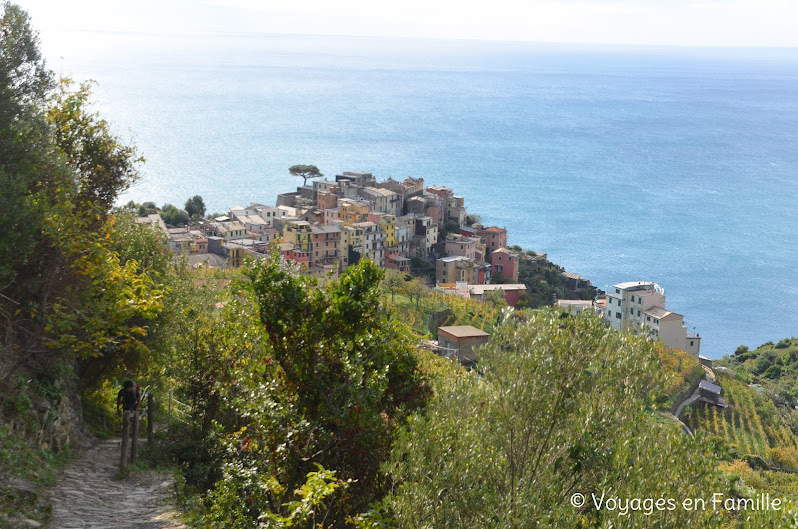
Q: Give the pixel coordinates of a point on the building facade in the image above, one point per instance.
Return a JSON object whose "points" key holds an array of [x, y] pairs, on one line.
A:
{"points": [[640, 305]]}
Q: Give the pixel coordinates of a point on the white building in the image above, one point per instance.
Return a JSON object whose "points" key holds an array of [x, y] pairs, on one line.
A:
{"points": [[641, 305]]}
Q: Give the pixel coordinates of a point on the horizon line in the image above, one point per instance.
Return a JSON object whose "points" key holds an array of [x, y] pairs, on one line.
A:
{"points": [[252, 34]]}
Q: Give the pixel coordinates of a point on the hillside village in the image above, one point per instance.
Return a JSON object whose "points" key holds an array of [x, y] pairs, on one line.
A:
{"points": [[330, 225], [325, 226]]}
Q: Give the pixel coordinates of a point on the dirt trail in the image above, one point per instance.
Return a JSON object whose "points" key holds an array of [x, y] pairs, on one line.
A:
{"points": [[88, 495]]}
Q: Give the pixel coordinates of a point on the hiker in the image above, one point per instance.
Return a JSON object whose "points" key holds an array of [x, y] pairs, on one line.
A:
{"points": [[128, 398]]}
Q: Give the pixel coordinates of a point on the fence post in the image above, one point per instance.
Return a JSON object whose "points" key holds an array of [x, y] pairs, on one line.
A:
{"points": [[150, 416], [125, 439], [134, 444]]}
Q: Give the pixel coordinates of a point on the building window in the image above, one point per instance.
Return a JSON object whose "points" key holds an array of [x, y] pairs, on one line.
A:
{"points": [[640, 300], [648, 318], [617, 291], [632, 312], [638, 313], [618, 315], [633, 299], [691, 343]]}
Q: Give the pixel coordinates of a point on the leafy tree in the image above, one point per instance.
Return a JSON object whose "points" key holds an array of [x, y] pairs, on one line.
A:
{"points": [[62, 169], [24, 77], [289, 375], [173, 216], [415, 289], [305, 171], [449, 227], [195, 207], [393, 282], [349, 366], [473, 220], [103, 166], [495, 297], [25, 151]]}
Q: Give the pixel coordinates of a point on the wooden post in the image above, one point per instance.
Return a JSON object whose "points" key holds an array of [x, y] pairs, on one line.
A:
{"points": [[125, 439], [170, 407], [134, 444], [150, 416]]}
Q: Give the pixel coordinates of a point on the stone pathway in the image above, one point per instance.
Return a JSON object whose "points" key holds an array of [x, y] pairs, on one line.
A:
{"points": [[691, 399], [89, 495]]}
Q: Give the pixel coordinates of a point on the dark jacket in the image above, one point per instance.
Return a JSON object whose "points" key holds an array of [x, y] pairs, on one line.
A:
{"points": [[128, 399]]}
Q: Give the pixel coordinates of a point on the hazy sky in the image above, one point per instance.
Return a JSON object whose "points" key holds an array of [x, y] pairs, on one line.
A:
{"points": [[66, 25]]}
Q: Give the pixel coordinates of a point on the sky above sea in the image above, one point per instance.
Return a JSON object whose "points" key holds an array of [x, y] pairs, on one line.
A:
{"points": [[670, 164]]}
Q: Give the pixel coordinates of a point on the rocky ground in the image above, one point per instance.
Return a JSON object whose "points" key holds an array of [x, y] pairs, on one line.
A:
{"points": [[90, 494]]}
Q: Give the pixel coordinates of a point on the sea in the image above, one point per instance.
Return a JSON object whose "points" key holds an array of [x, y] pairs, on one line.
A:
{"points": [[665, 164]]}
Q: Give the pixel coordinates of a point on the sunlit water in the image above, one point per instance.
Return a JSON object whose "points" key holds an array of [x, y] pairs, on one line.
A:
{"points": [[677, 166]]}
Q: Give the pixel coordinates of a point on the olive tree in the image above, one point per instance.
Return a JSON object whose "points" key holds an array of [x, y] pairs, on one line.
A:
{"points": [[561, 406]]}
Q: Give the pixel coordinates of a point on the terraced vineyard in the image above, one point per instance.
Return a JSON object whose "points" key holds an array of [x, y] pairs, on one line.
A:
{"points": [[751, 424]]}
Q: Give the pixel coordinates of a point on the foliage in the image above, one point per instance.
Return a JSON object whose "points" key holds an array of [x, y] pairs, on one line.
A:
{"points": [[393, 282], [775, 366], [749, 425], [305, 171], [562, 407], [103, 166], [99, 411], [65, 284], [749, 483], [286, 375], [173, 216], [495, 298], [235, 502], [473, 220], [195, 207], [545, 282], [24, 139], [350, 369], [423, 269], [105, 311], [415, 289], [679, 370]]}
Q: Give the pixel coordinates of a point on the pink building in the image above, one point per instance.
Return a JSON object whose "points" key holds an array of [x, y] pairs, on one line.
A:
{"points": [[504, 264], [457, 244], [493, 236], [297, 255], [398, 261], [325, 245]]}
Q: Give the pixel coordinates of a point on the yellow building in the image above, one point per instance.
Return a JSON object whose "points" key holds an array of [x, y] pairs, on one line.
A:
{"points": [[351, 211], [350, 237], [299, 234], [235, 255], [388, 225]]}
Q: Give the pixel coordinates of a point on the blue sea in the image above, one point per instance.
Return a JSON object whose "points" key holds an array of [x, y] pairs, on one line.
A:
{"points": [[674, 165]]}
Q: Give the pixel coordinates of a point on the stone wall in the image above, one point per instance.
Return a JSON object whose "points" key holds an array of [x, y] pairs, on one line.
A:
{"points": [[49, 420]]}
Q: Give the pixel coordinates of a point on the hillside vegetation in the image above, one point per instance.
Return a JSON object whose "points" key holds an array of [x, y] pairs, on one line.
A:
{"points": [[749, 426], [774, 366]]}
